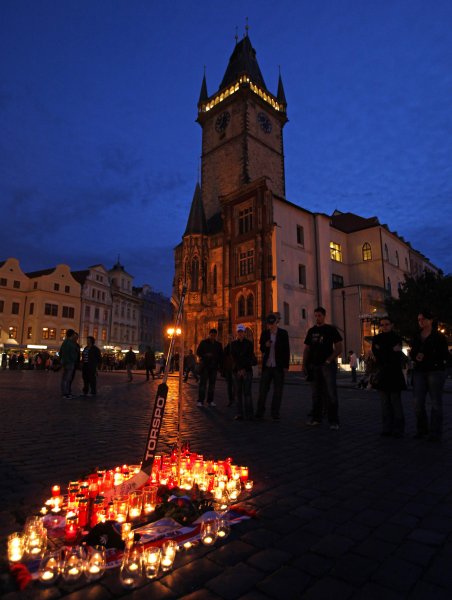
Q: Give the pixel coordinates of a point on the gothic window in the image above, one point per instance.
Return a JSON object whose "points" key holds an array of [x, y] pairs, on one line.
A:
{"points": [[367, 251], [336, 251], [214, 279], [246, 262], [386, 252], [388, 287], [397, 261], [204, 276], [250, 305], [195, 274], [241, 306], [246, 220]]}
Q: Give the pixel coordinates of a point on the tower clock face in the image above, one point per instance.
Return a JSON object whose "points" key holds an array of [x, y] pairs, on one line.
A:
{"points": [[222, 121], [264, 122]]}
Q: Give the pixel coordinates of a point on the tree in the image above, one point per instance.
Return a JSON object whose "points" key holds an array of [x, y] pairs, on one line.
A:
{"points": [[430, 291]]}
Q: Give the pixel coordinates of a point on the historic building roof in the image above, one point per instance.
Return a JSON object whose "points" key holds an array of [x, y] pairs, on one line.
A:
{"points": [[80, 276], [349, 222], [40, 273], [243, 60], [196, 223]]}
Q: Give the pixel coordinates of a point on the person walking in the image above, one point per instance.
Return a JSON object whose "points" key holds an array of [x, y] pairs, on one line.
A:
{"points": [[130, 360], [429, 352], [91, 361], [353, 361], [323, 344], [389, 379], [149, 363], [243, 359], [190, 366], [69, 355], [210, 353], [275, 348]]}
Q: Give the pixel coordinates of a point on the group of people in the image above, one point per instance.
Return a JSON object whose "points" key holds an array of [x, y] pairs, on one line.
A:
{"points": [[322, 346], [90, 359]]}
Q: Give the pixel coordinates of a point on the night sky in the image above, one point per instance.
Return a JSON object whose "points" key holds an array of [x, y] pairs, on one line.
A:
{"points": [[99, 149]]}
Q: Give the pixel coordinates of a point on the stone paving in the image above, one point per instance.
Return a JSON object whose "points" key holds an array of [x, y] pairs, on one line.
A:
{"points": [[340, 515]]}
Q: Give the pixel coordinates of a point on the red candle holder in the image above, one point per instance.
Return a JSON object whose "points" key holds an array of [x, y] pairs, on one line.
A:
{"points": [[56, 491], [71, 529]]}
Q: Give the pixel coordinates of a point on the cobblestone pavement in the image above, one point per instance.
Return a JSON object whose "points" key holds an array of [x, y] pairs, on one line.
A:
{"points": [[340, 515]]}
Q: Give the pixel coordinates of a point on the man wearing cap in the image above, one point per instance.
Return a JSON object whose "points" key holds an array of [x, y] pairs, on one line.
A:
{"points": [[323, 344], [242, 354], [274, 345], [210, 353]]}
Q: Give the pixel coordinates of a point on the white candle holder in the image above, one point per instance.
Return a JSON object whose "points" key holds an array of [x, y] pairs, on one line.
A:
{"points": [[151, 560], [35, 540], [96, 563], [209, 532], [74, 564], [16, 546], [130, 573], [169, 550], [50, 568], [224, 528]]}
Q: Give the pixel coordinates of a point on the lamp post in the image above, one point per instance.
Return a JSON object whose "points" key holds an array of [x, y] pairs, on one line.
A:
{"points": [[178, 332]]}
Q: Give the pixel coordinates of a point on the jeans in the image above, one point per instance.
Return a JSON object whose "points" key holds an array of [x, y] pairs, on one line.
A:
{"points": [[392, 412], [324, 392], [269, 374], [230, 385], [66, 380], [207, 376], [150, 371], [243, 391], [432, 383], [89, 375]]}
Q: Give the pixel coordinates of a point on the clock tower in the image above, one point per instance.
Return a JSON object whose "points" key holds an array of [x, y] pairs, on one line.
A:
{"points": [[242, 130]]}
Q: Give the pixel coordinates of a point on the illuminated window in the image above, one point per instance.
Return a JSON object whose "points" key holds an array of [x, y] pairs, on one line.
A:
{"points": [[246, 262], [68, 312], [367, 251], [51, 309], [52, 333], [95, 332], [15, 308], [246, 220], [16, 284], [104, 335], [29, 333], [62, 334], [302, 275], [45, 333], [241, 306], [336, 251], [337, 281], [250, 305], [12, 332], [300, 235]]}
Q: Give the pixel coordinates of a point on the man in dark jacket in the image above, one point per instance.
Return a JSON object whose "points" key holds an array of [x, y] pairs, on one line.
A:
{"points": [[242, 354], [149, 363], [91, 360], [69, 356], [210, 353], [130, 360], [275, 348]]}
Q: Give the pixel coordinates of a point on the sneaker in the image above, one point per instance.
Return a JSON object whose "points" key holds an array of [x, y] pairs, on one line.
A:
{"points": [[211, 404], [200, 404], [313, 423], [334, 427]]}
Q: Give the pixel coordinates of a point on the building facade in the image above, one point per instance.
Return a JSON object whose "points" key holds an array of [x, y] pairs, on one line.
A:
{"points": [[247, 250]]}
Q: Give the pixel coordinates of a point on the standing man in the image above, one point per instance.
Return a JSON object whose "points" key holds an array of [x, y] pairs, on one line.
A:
{"points": [[210, 353], [130, 360], [91, 361], [275, 348], [69, 355], [190, 366], [149, 363], [242, 354], [323, 344], [353, 360], [430, 354]]}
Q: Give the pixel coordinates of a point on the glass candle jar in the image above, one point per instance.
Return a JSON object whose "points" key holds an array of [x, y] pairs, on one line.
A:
{"points": [[73, 564], [121, 507], [49, 568], [135, 505], [96, 563], [149, 499], [169, 550], [130, 573], [209, 532], [16, 546], [151, 561]]}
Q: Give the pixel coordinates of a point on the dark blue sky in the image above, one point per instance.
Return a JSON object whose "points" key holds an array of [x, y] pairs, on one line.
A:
{"points": [[99, 149]]}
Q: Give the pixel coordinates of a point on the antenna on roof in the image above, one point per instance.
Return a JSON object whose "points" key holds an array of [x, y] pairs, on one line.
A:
{"points": [[246, 27]]}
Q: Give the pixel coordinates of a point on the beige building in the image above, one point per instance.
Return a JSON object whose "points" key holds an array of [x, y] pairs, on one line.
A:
{"points": [[14, 286], [125, 320], [247, 250], [96, 305]]}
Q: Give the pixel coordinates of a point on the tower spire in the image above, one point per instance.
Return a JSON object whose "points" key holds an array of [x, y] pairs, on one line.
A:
{"points": [[203, 95]]}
